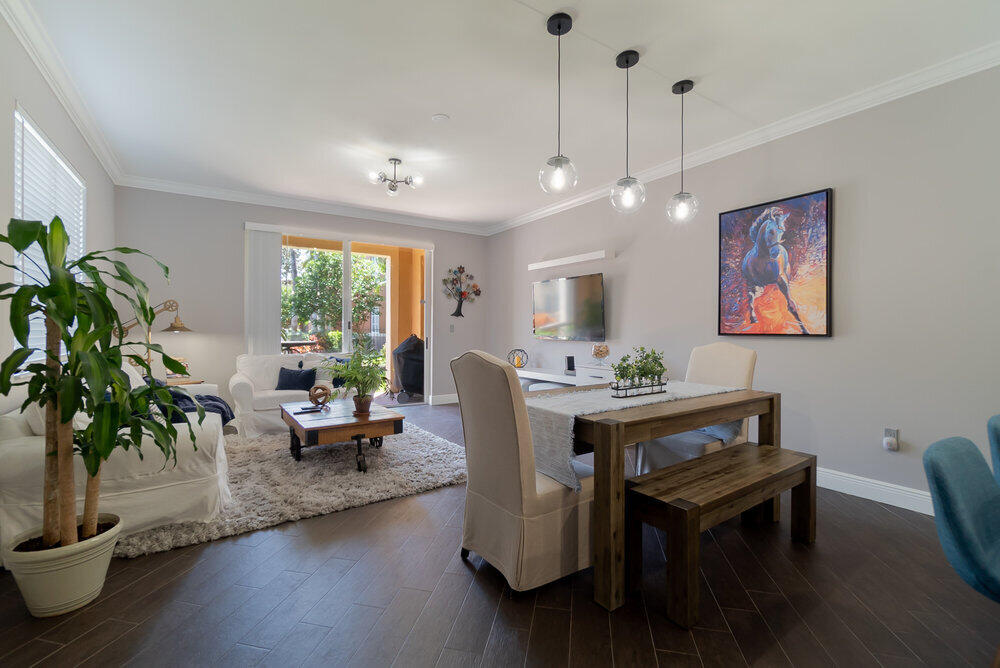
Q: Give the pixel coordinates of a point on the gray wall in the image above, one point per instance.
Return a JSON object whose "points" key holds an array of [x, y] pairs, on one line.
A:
{"points": [[201, 240], [21, 83], [916, 236]]}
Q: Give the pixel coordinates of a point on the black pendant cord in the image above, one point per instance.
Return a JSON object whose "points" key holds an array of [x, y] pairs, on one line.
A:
{"points": [[559, 95], [626, 123], [682, 143]]}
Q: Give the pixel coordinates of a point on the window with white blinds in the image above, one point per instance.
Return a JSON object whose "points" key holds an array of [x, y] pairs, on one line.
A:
{"points": [[45, 186]]}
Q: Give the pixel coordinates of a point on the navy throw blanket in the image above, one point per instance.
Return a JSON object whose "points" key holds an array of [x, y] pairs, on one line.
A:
{"points": [[211, 403]]}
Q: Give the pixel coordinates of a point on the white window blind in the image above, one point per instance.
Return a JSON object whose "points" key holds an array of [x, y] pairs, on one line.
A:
{"points": [[45, 186]]}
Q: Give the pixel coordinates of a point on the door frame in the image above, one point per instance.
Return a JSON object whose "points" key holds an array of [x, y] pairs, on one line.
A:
{"points": [[346, 238]]}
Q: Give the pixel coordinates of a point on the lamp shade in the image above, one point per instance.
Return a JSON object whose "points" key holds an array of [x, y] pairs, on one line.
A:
{"points": [[177, 326]]}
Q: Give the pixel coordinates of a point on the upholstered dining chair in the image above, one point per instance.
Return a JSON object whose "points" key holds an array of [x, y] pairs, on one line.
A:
{"points": [[967, 508], [531, 528], [713, 364]]}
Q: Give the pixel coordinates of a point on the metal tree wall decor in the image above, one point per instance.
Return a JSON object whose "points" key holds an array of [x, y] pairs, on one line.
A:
{"points": [[461, 287]]}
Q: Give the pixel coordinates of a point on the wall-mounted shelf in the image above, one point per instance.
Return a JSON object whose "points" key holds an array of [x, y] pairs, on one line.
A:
{"points": [[571, 259]]}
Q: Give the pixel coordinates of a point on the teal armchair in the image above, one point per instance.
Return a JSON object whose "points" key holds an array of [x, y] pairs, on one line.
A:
{"points": [[993, 428], [967, 508]]}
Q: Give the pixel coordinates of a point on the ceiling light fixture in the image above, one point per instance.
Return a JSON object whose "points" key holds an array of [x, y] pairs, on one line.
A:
{"points": [[558, 175], [683, 206], [440, 118], [628, 194], [392, 182]]}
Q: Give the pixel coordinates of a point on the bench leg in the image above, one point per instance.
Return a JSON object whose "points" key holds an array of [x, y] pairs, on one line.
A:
{"points": [[804, 508], [633, 545], [683, 556]]}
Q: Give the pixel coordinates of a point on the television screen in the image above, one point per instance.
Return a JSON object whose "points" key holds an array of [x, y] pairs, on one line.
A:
{"points": [[569, 309]]}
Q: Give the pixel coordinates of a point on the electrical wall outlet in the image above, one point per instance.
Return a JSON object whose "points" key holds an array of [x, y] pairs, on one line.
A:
{"points": [[890, 439]]}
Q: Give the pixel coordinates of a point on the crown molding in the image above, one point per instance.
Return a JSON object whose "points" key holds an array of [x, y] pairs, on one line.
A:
{"points": [[960, 66], [27, 27], [301, 204], [29, 31]]}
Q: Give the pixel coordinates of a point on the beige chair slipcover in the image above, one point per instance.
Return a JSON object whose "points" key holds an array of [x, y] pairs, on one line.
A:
{"points": [[528, 526], [715, 364]]}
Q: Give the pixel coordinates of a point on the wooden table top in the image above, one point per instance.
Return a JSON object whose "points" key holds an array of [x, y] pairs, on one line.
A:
{"points": [[337, 414], [717, 477], [678, 407]]}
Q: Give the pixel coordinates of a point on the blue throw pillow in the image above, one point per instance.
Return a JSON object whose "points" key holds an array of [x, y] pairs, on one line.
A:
{"points": [[725, 432], [296, 379]]}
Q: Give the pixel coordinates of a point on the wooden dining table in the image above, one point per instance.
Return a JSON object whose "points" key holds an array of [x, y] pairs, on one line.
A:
{"points": [[607, 435]]}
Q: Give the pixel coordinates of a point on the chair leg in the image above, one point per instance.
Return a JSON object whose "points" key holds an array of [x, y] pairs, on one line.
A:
{"points": [[464, 554]]}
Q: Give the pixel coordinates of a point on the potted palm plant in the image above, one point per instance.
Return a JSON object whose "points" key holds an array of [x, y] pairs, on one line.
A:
{"points": [[90, 406], [363, 372]]}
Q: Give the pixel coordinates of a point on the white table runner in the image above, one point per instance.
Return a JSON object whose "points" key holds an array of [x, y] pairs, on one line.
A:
{"points": [[553, 418]]}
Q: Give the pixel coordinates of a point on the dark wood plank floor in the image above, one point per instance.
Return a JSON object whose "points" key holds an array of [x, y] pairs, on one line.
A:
{"points": [[383, 585]]}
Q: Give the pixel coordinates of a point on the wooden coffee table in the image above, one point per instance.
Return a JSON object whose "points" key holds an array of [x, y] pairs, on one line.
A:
{"points": [[338, 424]]}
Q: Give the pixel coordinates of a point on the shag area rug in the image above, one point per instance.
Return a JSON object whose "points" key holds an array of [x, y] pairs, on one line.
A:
{"points": [[269, 487]]}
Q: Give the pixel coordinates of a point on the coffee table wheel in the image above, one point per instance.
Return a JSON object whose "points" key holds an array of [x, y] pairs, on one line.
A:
{"points": [[362, 464], [375, 441]]}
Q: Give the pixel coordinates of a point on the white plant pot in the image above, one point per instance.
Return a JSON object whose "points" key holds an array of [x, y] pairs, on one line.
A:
{"points": [[62, 579]]}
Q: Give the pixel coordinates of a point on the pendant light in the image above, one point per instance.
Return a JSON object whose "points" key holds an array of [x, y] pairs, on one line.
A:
{"points": [[683, 206], [628, 194], [558, 175]]}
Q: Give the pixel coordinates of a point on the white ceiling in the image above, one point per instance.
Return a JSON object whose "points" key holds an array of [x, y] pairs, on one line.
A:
{"points": [[302, 98]]}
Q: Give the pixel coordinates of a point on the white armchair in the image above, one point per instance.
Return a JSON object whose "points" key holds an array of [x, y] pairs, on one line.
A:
{"points": [[257, 402]]}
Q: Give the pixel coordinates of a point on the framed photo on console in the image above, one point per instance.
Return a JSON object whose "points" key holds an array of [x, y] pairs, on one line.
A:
{"points": [[774, 267]]}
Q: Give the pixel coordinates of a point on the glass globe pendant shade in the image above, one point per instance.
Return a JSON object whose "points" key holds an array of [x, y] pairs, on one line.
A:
{"points": [[628, 194], [415, 181], [376, 177], [392, 189], [558, 175], [682, 207]]}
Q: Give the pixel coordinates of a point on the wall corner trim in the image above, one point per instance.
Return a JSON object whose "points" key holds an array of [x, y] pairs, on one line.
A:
{"points": [[909, 498]]}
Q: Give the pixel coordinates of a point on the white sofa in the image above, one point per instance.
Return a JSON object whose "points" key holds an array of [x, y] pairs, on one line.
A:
{"points": [[258, 404], [143, 492]]}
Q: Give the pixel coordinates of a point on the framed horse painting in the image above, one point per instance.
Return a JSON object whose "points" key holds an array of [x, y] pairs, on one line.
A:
{"points": [[774, 267]]}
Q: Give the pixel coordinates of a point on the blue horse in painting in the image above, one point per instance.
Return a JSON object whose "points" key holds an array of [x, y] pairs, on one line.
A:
{"points": [[767, 261]]}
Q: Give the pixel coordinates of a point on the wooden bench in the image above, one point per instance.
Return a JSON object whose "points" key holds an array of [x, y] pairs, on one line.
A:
{"points": [[685, 499]]}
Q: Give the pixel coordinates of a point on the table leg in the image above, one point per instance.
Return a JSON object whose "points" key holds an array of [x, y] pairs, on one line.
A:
{"points": [[804, 507], [362, 464], [683, 555], [608, 529], [769, 433], [295, 446]]}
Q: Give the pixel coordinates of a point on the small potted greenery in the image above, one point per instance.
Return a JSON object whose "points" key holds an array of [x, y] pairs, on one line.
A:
{"points": [[640, 372], [90, 407], [363, 372]]}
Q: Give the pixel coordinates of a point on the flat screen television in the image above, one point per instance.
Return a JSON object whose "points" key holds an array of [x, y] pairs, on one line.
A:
{"points": [[569, 309]]}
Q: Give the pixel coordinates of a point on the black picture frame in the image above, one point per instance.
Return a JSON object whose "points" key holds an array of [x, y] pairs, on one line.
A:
{"points": [[828, 230]]}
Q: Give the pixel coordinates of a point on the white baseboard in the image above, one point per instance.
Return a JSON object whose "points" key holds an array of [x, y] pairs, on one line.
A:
{"points": [[875, 490], [439, 399]]}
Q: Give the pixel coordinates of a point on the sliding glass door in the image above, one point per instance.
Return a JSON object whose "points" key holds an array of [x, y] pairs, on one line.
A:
{"points": [[340, 295]]}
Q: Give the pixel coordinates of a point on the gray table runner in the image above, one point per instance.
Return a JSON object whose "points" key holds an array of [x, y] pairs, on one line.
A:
{"points": [[553, 417]]}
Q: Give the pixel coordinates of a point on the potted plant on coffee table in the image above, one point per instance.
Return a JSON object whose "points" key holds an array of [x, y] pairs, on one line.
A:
{"points": [[363, 372], [90, 407]]}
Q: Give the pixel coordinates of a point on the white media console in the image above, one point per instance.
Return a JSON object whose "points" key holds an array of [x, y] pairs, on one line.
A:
{"points": [[585, 375]]}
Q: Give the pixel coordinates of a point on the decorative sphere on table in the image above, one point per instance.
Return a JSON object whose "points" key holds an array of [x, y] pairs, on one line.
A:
{"points": [[517, 358], [319, 395]]}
